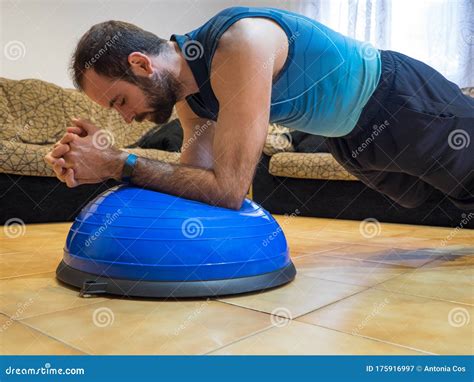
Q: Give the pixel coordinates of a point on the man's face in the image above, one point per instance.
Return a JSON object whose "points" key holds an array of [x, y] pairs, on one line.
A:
{"points": [[146, 98]]}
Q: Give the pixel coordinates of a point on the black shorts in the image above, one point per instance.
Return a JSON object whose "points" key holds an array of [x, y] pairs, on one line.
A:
{"points": [[413, 136]]}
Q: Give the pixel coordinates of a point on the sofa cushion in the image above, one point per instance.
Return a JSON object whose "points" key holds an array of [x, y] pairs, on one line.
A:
{"points": [[308, 166], [38, 112]]}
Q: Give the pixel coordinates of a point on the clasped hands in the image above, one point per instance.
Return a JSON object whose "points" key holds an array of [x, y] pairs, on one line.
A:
{"points": [[85, 155]]}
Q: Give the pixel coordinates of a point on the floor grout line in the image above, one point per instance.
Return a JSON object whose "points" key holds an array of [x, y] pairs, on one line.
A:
{"points": [[412, 245], [367, 337], [55, 339]]}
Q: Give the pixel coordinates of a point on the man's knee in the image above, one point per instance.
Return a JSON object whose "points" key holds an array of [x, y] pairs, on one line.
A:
{"points": [[414, 199], [465, 204]]}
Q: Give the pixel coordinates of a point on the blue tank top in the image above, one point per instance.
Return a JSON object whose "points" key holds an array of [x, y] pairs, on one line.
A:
{"points": [[323, 86]]}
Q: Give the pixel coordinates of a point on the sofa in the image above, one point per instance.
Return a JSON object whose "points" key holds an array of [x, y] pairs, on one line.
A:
{"points": [[294, 174], [33, 116]]}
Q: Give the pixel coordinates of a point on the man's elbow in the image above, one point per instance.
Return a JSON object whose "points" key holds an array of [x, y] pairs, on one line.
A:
{"points": [[232, 203], [229, 194], [235, 205]]}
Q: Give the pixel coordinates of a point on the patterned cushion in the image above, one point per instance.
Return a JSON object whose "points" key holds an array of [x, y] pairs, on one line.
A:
{"points": [[308, 166]]}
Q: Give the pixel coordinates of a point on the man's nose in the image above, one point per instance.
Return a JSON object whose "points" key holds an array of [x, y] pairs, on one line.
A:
{"points": [[128, 116]]}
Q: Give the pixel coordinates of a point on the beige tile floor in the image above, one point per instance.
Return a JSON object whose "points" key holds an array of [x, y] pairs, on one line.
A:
{"points": [[361, 288]]}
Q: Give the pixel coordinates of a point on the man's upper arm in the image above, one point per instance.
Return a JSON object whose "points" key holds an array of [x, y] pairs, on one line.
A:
{"points": [[242, 85], [198, 133]]}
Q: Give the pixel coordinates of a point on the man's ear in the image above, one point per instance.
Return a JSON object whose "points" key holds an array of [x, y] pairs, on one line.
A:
{"points": [[140, 64]]}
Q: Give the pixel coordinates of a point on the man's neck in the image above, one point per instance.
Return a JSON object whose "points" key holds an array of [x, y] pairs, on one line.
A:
{"points": [[179, 67]]}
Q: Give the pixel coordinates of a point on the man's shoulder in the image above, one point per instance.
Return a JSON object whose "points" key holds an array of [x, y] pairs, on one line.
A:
{"points": [[250, 32]]}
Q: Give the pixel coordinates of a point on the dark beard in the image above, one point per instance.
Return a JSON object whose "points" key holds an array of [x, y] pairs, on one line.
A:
{"points": [[162, 91]]}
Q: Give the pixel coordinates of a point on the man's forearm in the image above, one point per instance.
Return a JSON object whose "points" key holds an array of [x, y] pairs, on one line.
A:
{"points": [[185, 181]]}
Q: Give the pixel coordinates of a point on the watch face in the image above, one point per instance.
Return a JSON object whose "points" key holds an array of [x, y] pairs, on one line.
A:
{"points": [[128, 167]]}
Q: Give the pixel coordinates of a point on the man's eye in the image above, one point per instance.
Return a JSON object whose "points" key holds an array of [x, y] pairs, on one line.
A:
{"points": [[123, 102]]}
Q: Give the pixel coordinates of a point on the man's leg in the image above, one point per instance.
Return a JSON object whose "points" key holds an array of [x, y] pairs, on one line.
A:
{"points": [[437, 120], [424, 128], [406, 190]]}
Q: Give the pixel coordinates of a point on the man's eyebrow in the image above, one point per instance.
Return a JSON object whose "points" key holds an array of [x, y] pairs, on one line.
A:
{"points": [[112, 101]]}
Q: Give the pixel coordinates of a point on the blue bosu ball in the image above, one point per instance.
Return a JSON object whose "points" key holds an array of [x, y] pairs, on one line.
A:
{"points": [[137, 242]]}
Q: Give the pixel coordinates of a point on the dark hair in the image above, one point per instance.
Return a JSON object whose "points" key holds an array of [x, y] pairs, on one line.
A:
{"points": [[105, 47]]}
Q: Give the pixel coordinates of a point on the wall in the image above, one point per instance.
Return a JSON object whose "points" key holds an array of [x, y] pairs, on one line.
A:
{"points": [[37, 37]]}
